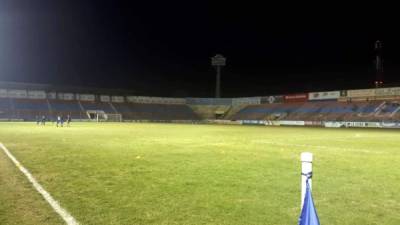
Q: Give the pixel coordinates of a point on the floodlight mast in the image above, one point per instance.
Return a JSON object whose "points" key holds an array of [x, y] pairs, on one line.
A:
{"points": [[218, 61], [378, 64]]}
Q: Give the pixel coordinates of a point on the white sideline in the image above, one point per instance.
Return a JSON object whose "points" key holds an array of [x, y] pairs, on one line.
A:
{"points": [[65, 215]]}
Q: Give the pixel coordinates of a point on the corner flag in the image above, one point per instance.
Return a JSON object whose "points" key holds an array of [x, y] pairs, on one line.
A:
{"points": [[309, 214]]}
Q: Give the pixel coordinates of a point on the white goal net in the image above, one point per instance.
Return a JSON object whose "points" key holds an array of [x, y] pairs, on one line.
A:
{"points": [[101, 116], [113, 117]]}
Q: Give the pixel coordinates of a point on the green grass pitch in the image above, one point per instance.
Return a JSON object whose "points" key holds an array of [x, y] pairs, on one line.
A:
{"points": [[129, 173]]}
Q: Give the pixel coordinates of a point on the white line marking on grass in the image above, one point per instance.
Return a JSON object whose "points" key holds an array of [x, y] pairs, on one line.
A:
{"points": [[65, 215]]}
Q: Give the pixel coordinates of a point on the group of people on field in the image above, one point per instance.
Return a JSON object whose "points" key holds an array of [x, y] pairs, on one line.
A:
{"points": [[59, 120]]}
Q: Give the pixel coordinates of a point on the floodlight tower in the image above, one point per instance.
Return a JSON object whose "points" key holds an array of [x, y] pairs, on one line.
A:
{"points": [[218, 61], [378, 64]]}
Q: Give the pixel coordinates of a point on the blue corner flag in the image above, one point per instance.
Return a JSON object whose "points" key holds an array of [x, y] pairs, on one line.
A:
{"points": [[308, 213]]}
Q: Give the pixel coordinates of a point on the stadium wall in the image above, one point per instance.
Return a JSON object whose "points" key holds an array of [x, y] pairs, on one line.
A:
{"points": [[328, 124]]}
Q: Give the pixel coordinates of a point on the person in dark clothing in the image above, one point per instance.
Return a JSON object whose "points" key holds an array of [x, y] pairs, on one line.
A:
{"points": [[62, 121], [68, 120], [43, 120]]}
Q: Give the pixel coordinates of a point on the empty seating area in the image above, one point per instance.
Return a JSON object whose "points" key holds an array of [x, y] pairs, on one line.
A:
{"points": [[104, 106], [210, 111], [66, 107], [322, 111], [137, 111], [5, 108], [266, 111], [31, 109]]}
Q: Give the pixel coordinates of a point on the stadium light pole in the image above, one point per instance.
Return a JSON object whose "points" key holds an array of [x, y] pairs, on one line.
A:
{"points": [[378, 64], [218, 61]]}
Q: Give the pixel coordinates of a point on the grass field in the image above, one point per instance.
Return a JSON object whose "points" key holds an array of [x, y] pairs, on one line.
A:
{"points": [[198, 174]]}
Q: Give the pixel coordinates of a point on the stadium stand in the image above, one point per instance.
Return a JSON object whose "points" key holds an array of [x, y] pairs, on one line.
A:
{"points": [[30, 101], [321, 111], [104, 106], [66, 107], [5, 108], [266, 111], [155, 112], [30, 109], [210, 111], [210, 108]]}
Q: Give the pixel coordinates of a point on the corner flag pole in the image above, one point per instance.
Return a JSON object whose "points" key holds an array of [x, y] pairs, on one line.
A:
{"points": [[306, 171], [308, 214]]}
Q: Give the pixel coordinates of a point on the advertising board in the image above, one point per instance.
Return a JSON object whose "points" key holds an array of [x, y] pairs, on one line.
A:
{"points": [[172, 100], [17, 93], [313, 123], [3, 93], [327, 95], [292, 123], [333, 124], [253, 122], [85, 97], [105, 98], [118, 99], [395, 91], [246, 101], [361, 93], [272, 123], [351, 124], [36, 94], [271, 99], [296, 98], [130, 98], [66, 96], [389, 125], [51, 95]]}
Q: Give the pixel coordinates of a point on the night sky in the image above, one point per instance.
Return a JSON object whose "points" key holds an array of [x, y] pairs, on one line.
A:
{"points": [[163, 48]]}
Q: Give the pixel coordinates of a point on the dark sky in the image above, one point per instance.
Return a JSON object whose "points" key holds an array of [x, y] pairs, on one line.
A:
{"points": [[164, 48]]}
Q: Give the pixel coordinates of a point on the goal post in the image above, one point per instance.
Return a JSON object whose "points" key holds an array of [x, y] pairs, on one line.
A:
{"points": [[101, 116], [113, 117]]}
